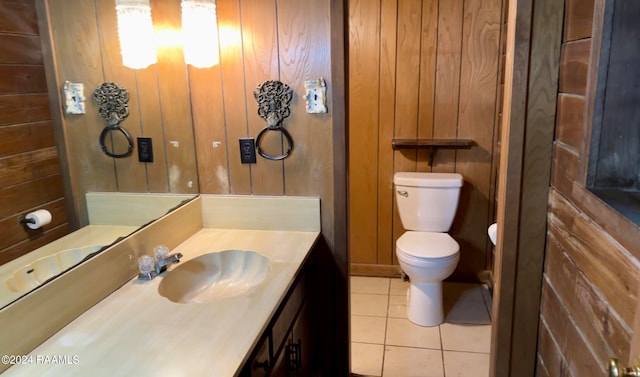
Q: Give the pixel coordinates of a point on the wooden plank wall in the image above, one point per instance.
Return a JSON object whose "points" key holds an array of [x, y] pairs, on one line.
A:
{"points": [[30, 175], [205, 110], [531, 82], [421, 69], [591, 268], [495, 163]]}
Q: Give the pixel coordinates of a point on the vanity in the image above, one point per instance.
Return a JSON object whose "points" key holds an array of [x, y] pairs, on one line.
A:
{"points": [[268, 330]]}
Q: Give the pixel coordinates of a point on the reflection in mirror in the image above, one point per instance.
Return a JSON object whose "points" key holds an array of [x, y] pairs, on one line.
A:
{"points": [[112, 217], [615, 138], [50, 155]]}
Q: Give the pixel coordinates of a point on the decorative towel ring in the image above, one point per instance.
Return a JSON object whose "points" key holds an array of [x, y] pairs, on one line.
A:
{"points": [[273, 106], [287, 136], [103, 146], [113, 99]]}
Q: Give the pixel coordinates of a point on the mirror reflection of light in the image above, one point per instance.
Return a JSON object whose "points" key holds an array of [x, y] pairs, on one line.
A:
{"points": [[230, 36], [135, 29], [165, 37], [200, 33]]}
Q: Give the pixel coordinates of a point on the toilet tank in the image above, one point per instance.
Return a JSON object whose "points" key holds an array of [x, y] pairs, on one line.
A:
{"points": [[427, 202]]}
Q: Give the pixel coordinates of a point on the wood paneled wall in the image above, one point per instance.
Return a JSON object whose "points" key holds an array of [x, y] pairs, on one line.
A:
{"points": [[205, 110], [30, 175], [284, 40], [591, 268], [421, 69]]}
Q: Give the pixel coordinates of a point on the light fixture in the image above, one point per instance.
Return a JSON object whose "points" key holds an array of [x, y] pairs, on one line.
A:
{"points": [[200, 33], [135, 31]]}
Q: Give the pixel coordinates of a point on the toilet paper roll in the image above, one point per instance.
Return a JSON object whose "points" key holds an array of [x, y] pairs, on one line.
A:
{"points": [[493, 232], [38, 218]]}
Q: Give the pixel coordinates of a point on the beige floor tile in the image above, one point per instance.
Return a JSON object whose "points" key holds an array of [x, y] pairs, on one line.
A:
{"points": [[465, 292], [397, 307], [368, 329], [402, 332], [368, 304], [469, 312], [366, 359], [377, 286], [465, 364], [412, 350], [412, 362], [470, 338], [398, 287]]}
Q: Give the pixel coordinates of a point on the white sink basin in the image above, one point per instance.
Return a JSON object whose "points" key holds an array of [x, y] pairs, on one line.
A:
{"points": [[32, 275], [213, 276]]}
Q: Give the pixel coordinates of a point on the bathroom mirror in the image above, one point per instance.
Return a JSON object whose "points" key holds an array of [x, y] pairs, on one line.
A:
{"points": [[109, 223], [78, 46]]}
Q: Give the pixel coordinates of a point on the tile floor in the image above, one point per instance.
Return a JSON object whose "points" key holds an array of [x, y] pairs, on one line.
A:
{"points": [[385, 343]]}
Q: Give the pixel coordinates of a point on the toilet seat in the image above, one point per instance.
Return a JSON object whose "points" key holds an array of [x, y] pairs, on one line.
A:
{"points": [[427, 245]]}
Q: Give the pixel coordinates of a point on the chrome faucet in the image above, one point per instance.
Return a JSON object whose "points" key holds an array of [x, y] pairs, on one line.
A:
{"points": [[150, 267], [162, 264]]}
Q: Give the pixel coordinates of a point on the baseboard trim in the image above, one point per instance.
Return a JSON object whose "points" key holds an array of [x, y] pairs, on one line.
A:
{"points": [[486, 277], [375, 270]]}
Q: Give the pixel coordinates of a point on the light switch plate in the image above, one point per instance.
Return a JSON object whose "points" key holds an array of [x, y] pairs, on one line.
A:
{"points": [[74, 98], [316, 96]]}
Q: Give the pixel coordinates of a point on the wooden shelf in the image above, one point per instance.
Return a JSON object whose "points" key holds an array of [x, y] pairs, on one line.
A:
{"points": [[432, 144]]}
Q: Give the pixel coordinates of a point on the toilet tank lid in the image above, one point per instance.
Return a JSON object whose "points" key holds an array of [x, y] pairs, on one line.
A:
{"points": [[428, 179], [427, 244]]}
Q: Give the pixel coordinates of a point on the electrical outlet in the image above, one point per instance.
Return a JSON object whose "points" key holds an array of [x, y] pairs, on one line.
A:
{"points": [[145, 149], [247, 151]]}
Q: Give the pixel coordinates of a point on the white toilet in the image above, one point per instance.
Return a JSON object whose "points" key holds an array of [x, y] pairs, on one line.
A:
{"points": [[427, 204]]}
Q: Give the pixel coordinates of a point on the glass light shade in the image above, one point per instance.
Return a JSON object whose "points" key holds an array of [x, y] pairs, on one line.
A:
{"points": [[200, 33], [135, 31]]}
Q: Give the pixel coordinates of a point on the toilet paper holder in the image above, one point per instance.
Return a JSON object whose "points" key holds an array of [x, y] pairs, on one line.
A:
{"points": [[25, 221], [36, 219]]}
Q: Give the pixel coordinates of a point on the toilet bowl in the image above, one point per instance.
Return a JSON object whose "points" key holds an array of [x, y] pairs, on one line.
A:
{"points": [[427, 258], [493, 233], [427, 203]]}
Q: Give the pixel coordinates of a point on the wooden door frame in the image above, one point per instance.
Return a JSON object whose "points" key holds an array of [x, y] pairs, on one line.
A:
{"points": [[534, 35], [339, 67]]}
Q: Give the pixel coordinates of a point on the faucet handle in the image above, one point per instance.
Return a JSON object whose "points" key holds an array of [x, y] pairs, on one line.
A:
{"points": [[160, 252], [146, 265]]}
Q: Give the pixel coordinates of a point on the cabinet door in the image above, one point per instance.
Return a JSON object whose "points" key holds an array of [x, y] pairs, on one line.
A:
{"points": [[282, 324], [280, 365], [296, 358], [301, 348], [259, 365]]}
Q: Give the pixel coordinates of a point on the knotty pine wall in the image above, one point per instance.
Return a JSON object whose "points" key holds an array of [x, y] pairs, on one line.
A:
{"points": [[30, 174], [205, 110], [591, 278], [421, 69]]}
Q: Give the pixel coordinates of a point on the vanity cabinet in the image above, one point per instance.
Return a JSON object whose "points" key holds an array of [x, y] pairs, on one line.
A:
{"points": [[296, 358], [287, 346]]}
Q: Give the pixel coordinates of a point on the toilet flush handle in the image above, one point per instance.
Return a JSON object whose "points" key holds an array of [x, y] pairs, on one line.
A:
{"points": [[403, 193]]}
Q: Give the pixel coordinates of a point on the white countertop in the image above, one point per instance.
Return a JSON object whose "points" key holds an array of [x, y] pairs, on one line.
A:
{"points": [[137, 332]]}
